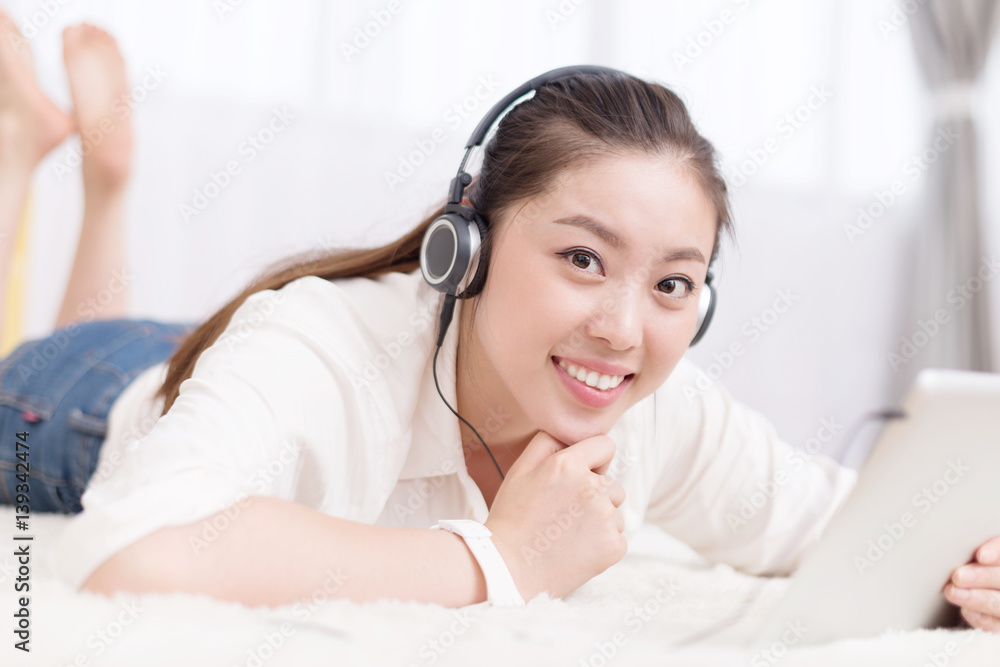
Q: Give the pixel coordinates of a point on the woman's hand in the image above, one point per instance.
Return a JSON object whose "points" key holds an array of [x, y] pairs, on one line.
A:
{"points": [[975, 588], [555, 518]]}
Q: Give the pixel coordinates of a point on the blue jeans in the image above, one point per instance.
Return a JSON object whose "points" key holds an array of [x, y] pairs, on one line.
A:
{"points": [[59, 390]]}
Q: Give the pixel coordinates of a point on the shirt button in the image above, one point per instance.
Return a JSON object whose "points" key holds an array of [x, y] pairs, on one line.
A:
{"points": [[31, 417]]}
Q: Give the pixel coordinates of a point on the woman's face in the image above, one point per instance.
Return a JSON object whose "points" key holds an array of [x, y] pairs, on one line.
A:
{"points": [[596, 274]]}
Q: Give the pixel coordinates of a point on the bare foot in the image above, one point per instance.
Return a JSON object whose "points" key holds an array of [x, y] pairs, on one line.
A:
{"points": [[96, 72], [30, 124]]}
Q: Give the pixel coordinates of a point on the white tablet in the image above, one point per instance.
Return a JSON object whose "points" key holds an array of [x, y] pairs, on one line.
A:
{"points": [[927, 497]]}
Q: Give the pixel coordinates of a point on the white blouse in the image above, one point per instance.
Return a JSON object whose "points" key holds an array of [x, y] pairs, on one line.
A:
{"points": [[322, 393]]}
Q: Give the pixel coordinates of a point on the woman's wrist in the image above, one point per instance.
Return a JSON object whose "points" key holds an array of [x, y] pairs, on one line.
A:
{"points": [[467, 576], [513, 562], [501, 589]]}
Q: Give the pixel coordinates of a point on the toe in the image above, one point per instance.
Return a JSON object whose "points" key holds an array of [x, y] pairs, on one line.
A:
{"points": [[7, 25], [71, 35]]}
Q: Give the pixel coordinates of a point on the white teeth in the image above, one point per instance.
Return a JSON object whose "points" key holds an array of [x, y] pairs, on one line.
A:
{"points": [[593, 378]]}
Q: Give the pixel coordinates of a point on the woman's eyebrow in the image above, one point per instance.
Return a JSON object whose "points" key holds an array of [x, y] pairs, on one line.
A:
{"points": [[618, 243]]}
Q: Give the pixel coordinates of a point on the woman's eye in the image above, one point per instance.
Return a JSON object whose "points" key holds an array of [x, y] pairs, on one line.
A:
{"points": [[676, 287], [583, 260]]}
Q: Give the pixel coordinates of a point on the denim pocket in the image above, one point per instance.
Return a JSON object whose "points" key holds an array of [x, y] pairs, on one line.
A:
{"points": [[62, 388]]}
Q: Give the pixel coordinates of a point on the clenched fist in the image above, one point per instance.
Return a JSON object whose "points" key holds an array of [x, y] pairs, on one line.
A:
{"points": [[555, 519]]}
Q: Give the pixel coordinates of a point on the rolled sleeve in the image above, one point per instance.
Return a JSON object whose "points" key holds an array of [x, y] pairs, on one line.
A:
{"points": [[731, 488], [265, 399]]}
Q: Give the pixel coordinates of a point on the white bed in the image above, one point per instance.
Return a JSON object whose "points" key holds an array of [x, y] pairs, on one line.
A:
{"points": [[636, 612]]}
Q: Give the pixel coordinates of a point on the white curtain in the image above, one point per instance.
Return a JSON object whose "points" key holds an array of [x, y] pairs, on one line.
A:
{"points": [[954, 268]]}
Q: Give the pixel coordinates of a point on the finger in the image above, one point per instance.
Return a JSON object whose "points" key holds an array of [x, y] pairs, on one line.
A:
{"points": [[989, 553], [616, 492], [541, 447], [977, 576], [981, 621], [595, 453], [984, 601]]}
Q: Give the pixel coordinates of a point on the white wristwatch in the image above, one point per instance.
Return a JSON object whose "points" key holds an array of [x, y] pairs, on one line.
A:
{"points": [[500, 588]]}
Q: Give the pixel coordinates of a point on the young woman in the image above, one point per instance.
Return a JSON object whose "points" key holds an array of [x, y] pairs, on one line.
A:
{"points": [[297, 440]]}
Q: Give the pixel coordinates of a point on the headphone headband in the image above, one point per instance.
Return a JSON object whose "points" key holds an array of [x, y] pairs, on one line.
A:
{"points": [[479, 134], [462, 179]]}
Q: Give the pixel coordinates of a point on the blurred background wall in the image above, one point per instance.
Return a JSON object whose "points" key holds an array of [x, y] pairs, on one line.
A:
{"points": [[816, 109]]}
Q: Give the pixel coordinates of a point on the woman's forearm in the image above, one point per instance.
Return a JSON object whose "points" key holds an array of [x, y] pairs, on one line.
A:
{"points": [[277, 552]]}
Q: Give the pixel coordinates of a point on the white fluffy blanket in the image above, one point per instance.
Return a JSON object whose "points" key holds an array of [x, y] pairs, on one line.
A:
{"points": [[661, 605]]}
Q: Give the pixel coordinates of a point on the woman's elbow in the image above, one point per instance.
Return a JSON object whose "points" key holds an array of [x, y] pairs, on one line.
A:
{"points": [[158, 562]]}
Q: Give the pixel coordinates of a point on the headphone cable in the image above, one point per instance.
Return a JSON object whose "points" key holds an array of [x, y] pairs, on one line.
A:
{"points": [[446, 314]]}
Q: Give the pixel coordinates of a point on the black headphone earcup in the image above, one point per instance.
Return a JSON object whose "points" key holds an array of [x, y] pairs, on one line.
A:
{"points": [[450, 250], [706, 308], [480, 259]]}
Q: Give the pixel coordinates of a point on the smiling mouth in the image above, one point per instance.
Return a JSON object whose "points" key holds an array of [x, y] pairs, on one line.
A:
{"points": [[591, 378]]}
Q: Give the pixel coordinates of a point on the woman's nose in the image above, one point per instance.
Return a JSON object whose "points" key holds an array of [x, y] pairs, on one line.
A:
{"points": [[618, 318]]}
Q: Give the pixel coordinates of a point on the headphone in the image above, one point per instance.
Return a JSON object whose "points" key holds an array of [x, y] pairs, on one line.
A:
{"points": [[450, 258]]}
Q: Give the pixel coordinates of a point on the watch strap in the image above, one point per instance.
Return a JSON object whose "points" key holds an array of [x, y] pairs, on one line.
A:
{"points": [[501, 591]]}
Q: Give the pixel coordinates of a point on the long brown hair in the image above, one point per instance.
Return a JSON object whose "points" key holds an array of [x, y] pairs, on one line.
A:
{"points": [[566, 123]]}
